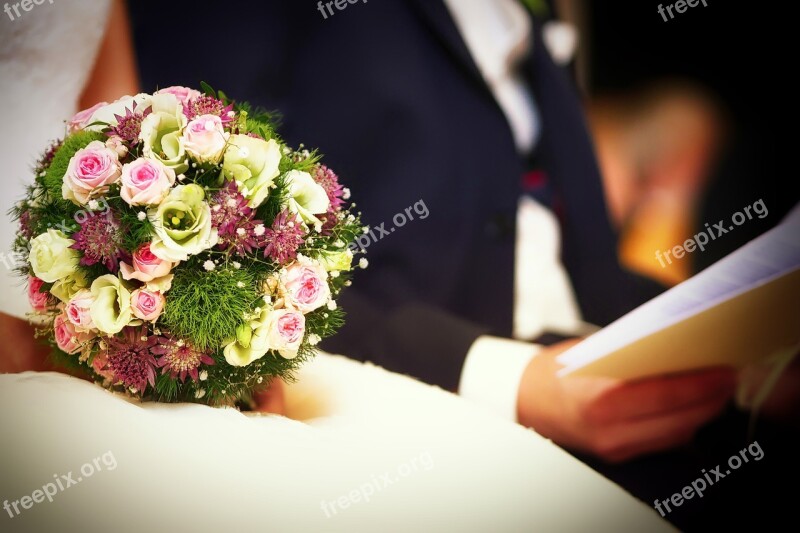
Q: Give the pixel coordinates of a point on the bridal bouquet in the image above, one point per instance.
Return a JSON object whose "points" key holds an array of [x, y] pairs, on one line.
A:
{"points": [[178, 250]]}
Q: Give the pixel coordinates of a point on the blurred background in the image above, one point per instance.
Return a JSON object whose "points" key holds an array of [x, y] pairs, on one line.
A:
{"points": [[684, 114]]}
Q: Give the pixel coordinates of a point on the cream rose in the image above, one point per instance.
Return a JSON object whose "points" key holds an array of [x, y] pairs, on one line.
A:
{"points": [[204, 138], [51, 257]]}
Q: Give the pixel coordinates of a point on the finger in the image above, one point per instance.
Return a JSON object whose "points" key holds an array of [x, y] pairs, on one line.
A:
{"points": [[638, 437], [663, 394]]}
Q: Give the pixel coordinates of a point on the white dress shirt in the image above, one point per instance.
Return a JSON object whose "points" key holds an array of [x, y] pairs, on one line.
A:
{"points": [[498, 34]]}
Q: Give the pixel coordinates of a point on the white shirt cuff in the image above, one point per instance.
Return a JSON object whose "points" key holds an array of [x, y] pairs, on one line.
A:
{"points": [[492, 373]]}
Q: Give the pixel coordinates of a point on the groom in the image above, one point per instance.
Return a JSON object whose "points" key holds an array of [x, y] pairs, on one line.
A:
{"points": [[458, 105]]}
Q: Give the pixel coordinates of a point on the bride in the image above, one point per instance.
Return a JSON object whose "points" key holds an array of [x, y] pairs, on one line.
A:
{"points": [[54, 60], [361, 448]]}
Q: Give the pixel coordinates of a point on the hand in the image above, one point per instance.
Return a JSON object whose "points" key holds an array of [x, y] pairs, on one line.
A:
{"points": [[271, 400], [618, 420]]}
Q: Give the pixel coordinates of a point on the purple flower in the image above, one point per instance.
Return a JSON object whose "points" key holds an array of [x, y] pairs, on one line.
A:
{"points": [[208, 105], [237, 230], [284, 237], [129, 358], [329, 181], [25, 224], [47, 157], [100, 240], [180, 358], [129, 126]]}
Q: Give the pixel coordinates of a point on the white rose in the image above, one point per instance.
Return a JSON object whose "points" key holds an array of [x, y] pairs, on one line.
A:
{"points": [[51, 257]]}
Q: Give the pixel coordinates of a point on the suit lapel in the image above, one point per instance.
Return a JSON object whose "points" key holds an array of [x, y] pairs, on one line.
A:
{"points": [[436, 16]]}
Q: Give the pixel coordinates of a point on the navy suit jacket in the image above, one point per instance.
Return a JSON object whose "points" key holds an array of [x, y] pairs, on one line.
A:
{"points": [[389, 92]]}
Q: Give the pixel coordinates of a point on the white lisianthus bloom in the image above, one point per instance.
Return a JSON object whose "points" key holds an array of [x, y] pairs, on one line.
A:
{"points": [[182, 223], [254, 164], [336, 261], [162, 284], [65, 288], [51, 257], [251, 342], [162, 130], [107, 112], [306, 197], [111, 309]]}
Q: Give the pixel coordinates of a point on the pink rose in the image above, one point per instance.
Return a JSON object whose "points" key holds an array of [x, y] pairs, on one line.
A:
{"points": [[147, 305], [204, 138], [69, 339], [285, 330], [145, 182], [183, 94], [306, 286], [146, 266], [39, 300], [81, 118], [77, 310], [90, 172]]}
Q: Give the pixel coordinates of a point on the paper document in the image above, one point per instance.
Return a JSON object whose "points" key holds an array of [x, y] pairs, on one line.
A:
{"points": [[742, 309]]}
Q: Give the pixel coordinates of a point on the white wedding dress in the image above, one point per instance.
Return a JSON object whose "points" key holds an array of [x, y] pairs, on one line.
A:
{"points": [[364, 449], [46, 56]]}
